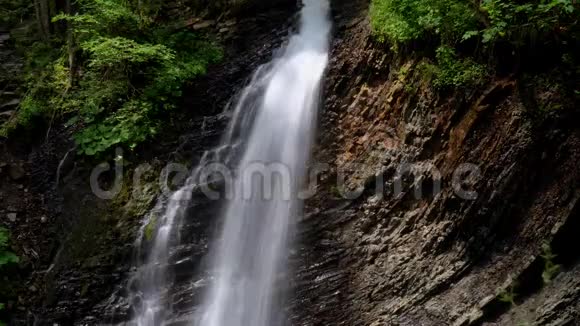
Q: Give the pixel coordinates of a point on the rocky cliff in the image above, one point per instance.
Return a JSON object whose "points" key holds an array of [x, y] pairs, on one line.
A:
{"points": [[398, 258]]}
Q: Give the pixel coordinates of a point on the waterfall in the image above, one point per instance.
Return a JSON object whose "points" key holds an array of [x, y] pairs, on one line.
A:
{"points": [[250, 252], [272, 124]]}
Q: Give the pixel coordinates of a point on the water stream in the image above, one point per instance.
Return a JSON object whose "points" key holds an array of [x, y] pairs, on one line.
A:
{"points": [[250, 253], [271, 129]]}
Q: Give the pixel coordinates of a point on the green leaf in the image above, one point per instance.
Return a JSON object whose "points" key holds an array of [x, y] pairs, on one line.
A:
{"points": [[469, 34]]}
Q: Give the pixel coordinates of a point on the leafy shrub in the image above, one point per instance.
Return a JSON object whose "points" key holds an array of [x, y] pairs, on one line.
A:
{"points": [[400, 21], [103, 17], [130, 70], [452, 71], [13, 11], [129, 126], [511, 20], [119, 53], [125, 61], [450, 22], [132, 74]]}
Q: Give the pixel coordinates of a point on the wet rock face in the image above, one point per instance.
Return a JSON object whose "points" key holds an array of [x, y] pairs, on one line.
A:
{"points": [[434, 259]]}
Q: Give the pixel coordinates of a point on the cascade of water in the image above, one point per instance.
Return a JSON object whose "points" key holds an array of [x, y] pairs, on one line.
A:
{"points": [[150, 283], [250, 252], [272, 122]]}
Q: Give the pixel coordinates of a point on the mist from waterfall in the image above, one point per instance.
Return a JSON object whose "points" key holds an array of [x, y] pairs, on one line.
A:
{"points": [[248, 259]]}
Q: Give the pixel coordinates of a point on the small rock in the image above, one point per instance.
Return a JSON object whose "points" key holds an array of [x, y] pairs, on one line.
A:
{"points": [[43, 219], [230, 22], [11, 217], [10, 104], [32, 288], [16, 172], [7, 113], [203, 24], [192, 21]]}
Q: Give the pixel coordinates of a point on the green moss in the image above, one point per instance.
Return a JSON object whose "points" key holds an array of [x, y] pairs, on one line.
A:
{"points": [[137, 202], [150, 228]]}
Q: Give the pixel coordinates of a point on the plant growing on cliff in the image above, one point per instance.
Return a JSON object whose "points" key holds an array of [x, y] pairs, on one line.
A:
{"points": [[400, 21], [149, 230], [118, 72], [6, 256], [475, 28], [452, 71], [451, 21], [508, 295], [13, 11], [551, 269]]}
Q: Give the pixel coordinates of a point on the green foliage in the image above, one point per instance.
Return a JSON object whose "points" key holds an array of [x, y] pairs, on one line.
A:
{"points": [[44, 77], [6, 256], [130, 70], [103, 18], [128, 126], [508, 295], [513, 20], [149, 230], [403, 72], [448, 23], [400, 21], [13, 11], [142, 79], [551, 269], [452, 71], [29, 109], [122, 53], [124, 63]]}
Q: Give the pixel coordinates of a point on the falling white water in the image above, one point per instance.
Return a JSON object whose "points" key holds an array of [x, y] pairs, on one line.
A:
{"points": [[150, 286], [273, 122], [249, 255]]}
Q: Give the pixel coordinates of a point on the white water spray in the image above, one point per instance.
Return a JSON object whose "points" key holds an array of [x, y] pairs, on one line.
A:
{"points": [[249, 256], [274, 118]]}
